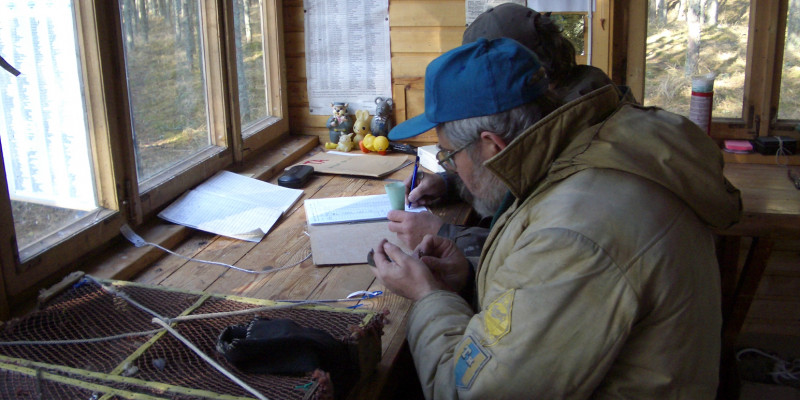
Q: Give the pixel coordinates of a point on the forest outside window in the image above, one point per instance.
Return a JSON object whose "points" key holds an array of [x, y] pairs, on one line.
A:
{"points": [[120, 108], [691, 38], [751, 47], [166, 82]]}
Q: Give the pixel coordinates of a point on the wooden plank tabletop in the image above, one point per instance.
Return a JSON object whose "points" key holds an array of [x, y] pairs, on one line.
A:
{"points": [[770, 200], [287, 243]]}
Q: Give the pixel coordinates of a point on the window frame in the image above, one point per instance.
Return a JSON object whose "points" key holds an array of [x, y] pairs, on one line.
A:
{"points": [[121, 197], [762, 69]]}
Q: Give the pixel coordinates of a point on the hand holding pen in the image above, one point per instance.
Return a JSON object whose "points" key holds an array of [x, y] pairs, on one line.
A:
{"points": [[413, 179], [427, 189]]}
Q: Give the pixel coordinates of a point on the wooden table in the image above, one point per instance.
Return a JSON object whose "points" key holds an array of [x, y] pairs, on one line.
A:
{"points": [[286, 244], [771, 210]]}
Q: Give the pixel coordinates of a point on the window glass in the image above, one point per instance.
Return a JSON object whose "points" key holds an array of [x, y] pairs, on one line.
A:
{"points": [[250, 61], [43, 129], [166, 82], [789, 107], [573, 27], [696, 37]]}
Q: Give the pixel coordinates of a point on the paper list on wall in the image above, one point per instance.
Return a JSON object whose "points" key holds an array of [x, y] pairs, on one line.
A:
{"points": [[347, 52]]}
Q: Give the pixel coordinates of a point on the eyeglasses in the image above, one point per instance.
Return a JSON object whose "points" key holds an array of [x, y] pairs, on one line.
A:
{"points": [[445, 157]]}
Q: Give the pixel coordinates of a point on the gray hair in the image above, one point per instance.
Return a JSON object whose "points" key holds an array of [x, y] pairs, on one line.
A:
{"points": [[507, 124]]}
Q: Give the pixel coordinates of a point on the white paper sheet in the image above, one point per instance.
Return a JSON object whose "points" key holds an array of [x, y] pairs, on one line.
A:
{"points": [[232, 205], [350, 209], [348, 58]]}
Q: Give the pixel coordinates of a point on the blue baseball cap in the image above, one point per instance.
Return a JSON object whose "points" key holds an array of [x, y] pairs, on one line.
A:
{"points": [[480, 78]]}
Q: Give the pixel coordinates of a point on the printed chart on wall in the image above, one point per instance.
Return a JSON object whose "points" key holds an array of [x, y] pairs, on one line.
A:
{"points": [[348, 57]]}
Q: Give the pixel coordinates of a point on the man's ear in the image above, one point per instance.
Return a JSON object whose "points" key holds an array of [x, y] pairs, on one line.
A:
{"points": [[491, 143]]}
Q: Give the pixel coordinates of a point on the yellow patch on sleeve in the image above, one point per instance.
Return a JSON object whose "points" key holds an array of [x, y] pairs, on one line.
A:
{"points": [[497, 318]]}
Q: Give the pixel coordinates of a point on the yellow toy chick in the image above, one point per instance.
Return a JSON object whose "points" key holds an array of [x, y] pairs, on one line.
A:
{"points": [[378, 144]]}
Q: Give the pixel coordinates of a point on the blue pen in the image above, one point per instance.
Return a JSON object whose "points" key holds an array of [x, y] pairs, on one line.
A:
{"points": [[413, 178]]}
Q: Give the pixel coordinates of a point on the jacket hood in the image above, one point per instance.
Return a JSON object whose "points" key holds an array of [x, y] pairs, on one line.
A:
{"points": [[598, 131]]}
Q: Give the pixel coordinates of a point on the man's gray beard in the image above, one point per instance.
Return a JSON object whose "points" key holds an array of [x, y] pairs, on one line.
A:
{"points": [[490, 188]]}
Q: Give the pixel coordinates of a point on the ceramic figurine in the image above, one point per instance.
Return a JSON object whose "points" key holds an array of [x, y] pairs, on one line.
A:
{"points": [[380, 144], [361, 127], [339, 123], [370, 143], [345, 142], [382, 121], [366, 144]]}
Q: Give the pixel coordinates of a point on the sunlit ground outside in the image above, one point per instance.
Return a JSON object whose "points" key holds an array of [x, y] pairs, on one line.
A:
{"points": [[723, 51], [790, 76]]}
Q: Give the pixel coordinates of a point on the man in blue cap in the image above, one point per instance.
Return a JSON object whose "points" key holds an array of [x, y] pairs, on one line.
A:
{"points": [[598, 278], [569, 81]]}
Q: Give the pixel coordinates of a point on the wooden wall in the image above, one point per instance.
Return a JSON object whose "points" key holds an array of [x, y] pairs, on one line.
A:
{"points": [[420, 30]]}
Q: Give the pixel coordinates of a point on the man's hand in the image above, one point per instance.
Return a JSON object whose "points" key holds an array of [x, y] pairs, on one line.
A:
{"points": [[445, 260], [430, 188], [403, 274], [411, 227]]}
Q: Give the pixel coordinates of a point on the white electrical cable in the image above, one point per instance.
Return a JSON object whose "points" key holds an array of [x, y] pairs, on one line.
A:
{"points": [[782, 370], [292, 303], [79, 341], [209, 360], [138, 241]]}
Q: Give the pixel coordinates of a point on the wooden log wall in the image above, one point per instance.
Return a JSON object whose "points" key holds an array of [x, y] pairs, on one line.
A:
{"points": [[420, 30]]}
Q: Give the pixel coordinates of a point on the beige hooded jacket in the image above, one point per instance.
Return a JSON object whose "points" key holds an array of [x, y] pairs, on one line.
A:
{"points": [[600, 280]]}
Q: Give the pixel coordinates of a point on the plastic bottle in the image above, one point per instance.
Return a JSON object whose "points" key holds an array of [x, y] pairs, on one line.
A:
{"points": [[702, 101]]}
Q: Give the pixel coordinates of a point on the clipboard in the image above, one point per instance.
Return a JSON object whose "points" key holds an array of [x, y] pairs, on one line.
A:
{"points": [[369, 165]]}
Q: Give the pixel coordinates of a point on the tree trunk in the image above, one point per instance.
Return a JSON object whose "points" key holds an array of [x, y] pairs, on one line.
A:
{"points": [[694, 26], [241, 79], [188, 31], [143, 18], [248, 32], [128, 7], [712, 11], [793, 24], [682, 10], [661, 12]]}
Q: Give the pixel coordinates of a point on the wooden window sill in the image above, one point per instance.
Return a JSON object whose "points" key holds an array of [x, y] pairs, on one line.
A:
{"points": [[122, 261]]}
